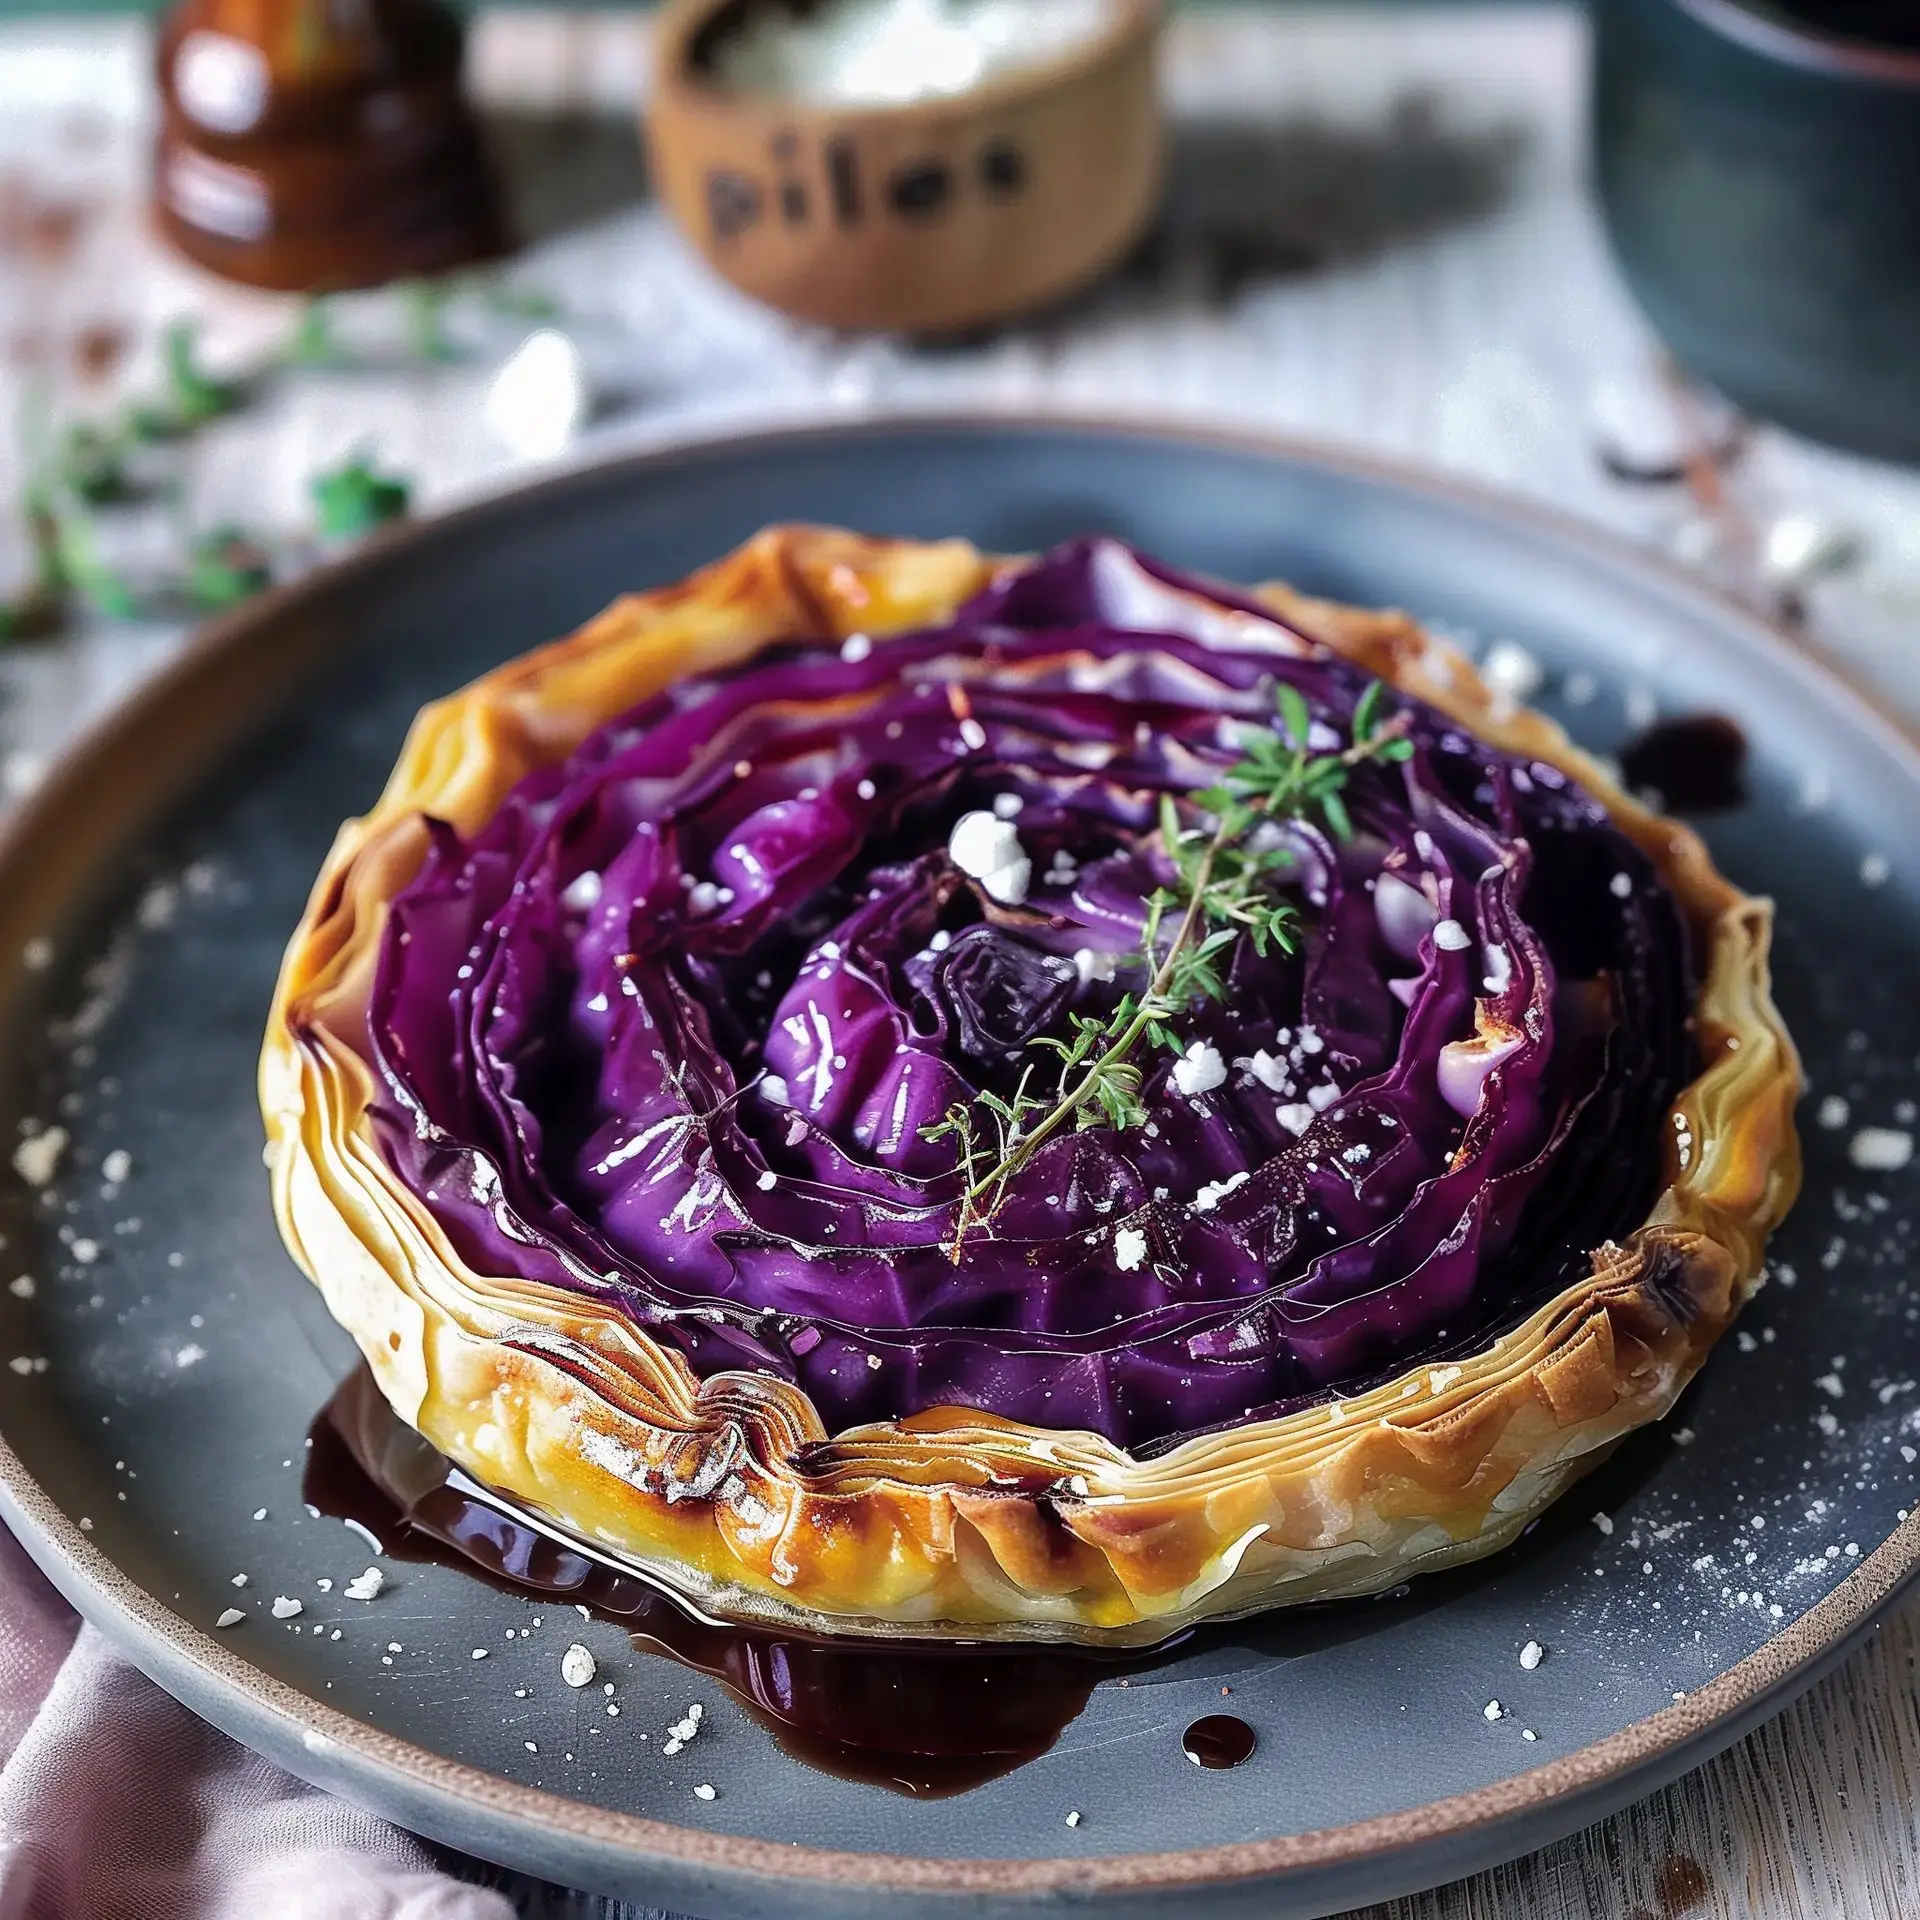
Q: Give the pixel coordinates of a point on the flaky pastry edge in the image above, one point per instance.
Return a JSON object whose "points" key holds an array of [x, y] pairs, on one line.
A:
{"points": [[956, 1523]]}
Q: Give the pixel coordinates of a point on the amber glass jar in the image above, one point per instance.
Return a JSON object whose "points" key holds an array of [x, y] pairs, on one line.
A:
{"points": [[312, 145]]}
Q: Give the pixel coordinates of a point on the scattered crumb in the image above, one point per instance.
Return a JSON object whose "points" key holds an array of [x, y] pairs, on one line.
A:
{"points": [[578, 1666], [479, 1653], [1493, 1710], [37, 954], [286, 1609], [703, 1792], [231, 1617], [239, 1579], [1881, 1149], [1832, 1113], [1073, 1819], [259, 1513], [1511, 670], [22, 1287], [37, 1158], [116, 1166], [1532, 1654], [1527, 1733], [367, 1585], [1604, 1522]]}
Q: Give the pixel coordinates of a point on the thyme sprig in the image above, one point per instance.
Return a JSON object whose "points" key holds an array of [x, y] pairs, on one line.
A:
{"points": [[1227, 862]]}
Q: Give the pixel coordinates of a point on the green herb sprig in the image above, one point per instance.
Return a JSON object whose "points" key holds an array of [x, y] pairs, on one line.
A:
{"points": [[1226, 866]]}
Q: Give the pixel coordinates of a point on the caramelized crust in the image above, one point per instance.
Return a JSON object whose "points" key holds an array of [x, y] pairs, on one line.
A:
{"points": [[954, 1522]]}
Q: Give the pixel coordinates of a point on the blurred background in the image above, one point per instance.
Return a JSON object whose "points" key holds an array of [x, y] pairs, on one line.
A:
{"points": [[275, 273], [272, 271]]}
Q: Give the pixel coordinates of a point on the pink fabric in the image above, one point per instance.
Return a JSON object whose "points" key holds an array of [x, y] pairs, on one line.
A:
{"points": [[117, 1804]]}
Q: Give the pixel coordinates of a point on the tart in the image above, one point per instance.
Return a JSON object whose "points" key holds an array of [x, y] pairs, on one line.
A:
{"points": [[901, 1091]]}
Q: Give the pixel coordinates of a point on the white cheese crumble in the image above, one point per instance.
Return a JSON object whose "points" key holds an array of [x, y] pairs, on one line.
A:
{"points": [[1620, 886], [855, 648], [1493, 1710], [1007, 805], [1215, 1191], [582, 892], [37, 1158], [116, 1166], [703, 1792], [288, 1609], [767, 1180], [1604, 1522], [1200, 1069], [229, 1617], [1129, 1249], [367, 1585], [1450, 936], [578, 1666], [1881, 1149], [1073, 1818], [1832, 1113], [1090, 965], [988, 849], [21, 1287], [1270, 1071], [1510, 669], [1296, 1117], [1532, 1654]]}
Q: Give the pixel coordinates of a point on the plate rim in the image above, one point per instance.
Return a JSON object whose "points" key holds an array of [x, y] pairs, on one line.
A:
{"points": [[1676, 1736]]}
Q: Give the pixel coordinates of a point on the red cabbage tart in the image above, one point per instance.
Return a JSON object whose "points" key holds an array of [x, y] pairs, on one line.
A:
{"points": [[902, 1091]]}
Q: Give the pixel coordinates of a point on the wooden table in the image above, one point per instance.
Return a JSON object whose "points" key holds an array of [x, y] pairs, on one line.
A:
{"points": [[1378, 236]]}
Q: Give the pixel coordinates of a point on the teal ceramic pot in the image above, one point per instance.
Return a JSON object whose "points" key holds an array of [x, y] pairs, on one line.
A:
{"points": [[1759, 167]]}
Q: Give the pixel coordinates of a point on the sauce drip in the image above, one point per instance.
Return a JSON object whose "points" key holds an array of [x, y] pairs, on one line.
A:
{"points": [[924, 1720], [1696, 764], [1218, 1741]]}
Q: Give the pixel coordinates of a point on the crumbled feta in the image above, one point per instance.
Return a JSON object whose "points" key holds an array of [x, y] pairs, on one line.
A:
{"points": [[1532, 1654], [1215, 1191], [1881, 1149], [1200, 1069], [582, 892], [37, 1158], [1450, 936], [1620, 886], [367, 1585], [1129, 1249], [1511, 670], [988, 849], [1091, 965], [578, 1666], [116, 1166], [1269, 1070], [1296, 1117], [855, 648], [229, 1617], [1493, 1710], [287, 1609]]}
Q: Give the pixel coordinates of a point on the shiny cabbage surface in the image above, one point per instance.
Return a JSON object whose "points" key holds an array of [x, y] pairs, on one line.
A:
{"points": [[670, 1030]]}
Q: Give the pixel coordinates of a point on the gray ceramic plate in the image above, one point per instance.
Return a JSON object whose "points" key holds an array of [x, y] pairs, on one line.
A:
{"points": [[184, 1357]]}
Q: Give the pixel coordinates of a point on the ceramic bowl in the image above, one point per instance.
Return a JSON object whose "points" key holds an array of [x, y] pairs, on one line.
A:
{"points": [[1761, 182], [926, 218]]}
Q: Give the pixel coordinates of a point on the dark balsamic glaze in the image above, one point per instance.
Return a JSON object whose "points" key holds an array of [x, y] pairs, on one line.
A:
{"points": [[925, 1720], [1219, 1740], [1695, 764]]}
